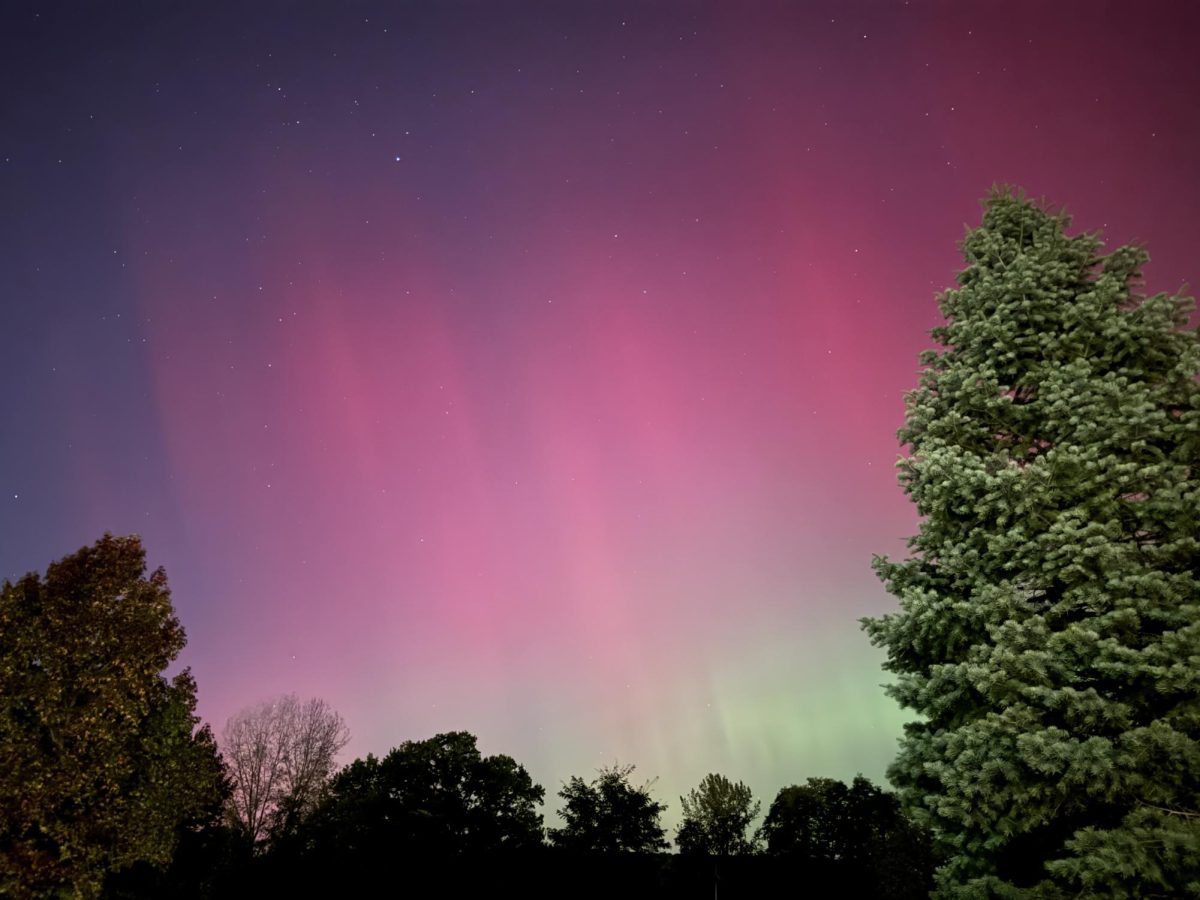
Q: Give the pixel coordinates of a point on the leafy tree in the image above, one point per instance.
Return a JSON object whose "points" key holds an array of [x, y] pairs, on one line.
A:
{"points": [[281, 754], [609, 814], [716, 816], [432, 797], [852, 835], [1049, 625], [100, 759], [811, 821], [206, 852]]}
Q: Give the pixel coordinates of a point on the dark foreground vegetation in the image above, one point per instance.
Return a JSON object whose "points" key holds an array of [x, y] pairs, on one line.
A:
{"points": [[112, 789], [544, 873], [232, 871], [437, 813]]}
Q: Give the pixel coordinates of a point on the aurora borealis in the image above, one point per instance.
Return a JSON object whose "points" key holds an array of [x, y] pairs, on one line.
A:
{"points": [[534, 369]]}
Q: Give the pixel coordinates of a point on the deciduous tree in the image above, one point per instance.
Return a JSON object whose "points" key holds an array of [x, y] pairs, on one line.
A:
{"points": [[716, 818], [854, 836], [610, 814], [1049, 626], [280, 754], [100, 756], [433, 797]]}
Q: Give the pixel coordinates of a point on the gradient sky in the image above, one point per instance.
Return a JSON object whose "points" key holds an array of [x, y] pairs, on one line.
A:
{"points": [[534, 369]]}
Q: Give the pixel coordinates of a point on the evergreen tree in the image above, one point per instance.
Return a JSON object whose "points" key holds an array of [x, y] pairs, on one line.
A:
{"points": [[1049, 626]]}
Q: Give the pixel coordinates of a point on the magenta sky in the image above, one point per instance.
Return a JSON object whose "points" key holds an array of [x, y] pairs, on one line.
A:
{"points": [[534, 369]]}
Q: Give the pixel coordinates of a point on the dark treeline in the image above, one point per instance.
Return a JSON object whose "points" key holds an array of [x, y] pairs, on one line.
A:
{"points": [[113, 788], [543, 873], [438, 813]]}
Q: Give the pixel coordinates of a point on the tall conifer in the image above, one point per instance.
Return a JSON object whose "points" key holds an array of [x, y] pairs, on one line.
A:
{"points": [[1049, 626]]}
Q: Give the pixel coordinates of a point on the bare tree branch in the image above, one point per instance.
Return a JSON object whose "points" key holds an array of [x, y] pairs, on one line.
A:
{"points": [[281, 754]]}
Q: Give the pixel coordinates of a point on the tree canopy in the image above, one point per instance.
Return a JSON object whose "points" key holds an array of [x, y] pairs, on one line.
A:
{"points": [[100, 758], [609, 814], [437, 796], [852, 835], [716, 817], [1048, 634]]}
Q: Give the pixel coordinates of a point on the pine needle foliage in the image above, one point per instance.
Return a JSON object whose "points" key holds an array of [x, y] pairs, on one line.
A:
{"points": [[1048, 634]]}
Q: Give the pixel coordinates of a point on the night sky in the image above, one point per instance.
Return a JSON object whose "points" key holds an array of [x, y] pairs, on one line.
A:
{"points": [[534, 369]]}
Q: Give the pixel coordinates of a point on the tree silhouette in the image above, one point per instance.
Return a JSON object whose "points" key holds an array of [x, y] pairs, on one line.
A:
{"points": [[716, 817], [280, 755], [435, 796], [852, 835], [609, 814]]}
